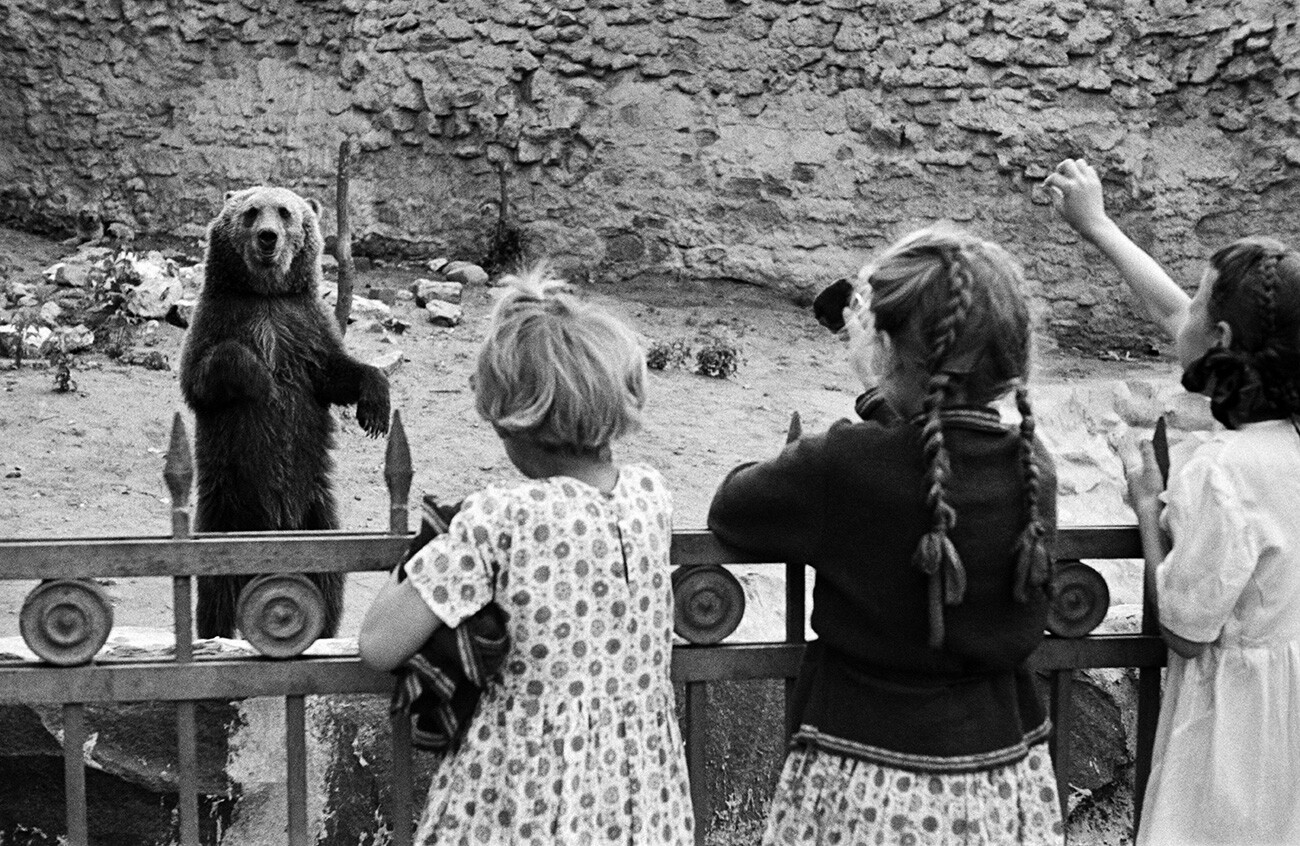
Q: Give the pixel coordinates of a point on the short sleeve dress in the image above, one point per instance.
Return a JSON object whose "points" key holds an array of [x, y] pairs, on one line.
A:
{"points": [[579, 743], [1227, 750]]}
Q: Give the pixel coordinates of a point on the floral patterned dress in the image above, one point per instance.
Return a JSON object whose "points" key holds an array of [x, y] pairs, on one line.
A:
{"points": [[578, 743]]}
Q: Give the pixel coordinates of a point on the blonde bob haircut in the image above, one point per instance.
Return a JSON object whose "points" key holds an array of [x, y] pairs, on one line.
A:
{"points": [[556, 370]]}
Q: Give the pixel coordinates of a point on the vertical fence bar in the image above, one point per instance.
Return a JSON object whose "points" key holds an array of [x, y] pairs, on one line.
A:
{"points": [[178, 472], [795, 589], [295, 740], [794, 630], [1062, 713], [697, 706], [403, 784], [74, 772], [398, 474], [1148, 710]]}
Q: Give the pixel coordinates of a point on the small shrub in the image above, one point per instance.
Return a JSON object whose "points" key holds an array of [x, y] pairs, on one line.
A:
{"points": [[110, 280], [718, 359], [664, 354], [62, 362]]}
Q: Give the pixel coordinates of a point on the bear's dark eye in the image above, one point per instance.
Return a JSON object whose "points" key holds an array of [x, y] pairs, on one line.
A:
{"points": [[284, 213], [250, 217]]}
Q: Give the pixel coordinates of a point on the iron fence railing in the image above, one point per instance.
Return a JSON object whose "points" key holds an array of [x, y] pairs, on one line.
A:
{"points": [[62, 628]]}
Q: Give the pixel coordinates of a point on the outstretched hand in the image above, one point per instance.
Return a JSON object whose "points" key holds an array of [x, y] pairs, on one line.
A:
{"points": [[1075, 190]]}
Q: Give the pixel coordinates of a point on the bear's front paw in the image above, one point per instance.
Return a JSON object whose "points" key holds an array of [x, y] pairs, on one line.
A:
{"points": [[231, 373], [372, 406]]}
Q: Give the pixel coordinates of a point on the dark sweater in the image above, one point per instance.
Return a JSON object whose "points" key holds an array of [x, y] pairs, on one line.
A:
{"points": [[851, 504]]}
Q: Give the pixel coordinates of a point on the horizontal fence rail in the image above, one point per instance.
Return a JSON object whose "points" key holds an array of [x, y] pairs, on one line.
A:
{"points": [[189, 678], [693, 665]]}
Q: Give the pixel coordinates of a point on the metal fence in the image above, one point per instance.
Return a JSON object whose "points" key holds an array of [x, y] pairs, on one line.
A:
{"points": [[63, 629]]}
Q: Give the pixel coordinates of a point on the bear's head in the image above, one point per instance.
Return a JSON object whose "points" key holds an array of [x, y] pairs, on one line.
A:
{"points": [[266, 240]]}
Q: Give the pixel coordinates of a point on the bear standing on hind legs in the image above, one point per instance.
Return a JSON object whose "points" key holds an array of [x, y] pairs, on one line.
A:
{"points": [[262, 364]]}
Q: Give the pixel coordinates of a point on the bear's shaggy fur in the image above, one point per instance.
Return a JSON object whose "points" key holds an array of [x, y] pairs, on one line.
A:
{"points": [[262, 363]]}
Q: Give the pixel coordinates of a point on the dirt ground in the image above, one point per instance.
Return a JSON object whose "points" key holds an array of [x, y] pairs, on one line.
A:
{"points": [[89, 463]]}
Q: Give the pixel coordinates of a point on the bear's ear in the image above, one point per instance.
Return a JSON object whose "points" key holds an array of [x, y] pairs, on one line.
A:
{"points": [[314, 204]]}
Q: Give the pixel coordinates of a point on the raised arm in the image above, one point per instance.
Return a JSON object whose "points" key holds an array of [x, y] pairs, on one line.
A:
{"points": [[1076, 196]]}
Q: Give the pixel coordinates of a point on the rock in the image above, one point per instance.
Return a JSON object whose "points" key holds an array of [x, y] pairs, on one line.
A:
{"points": [[148, 335], [387, 296], [159, 287], [191, 280], [121, 233], [57, 274], [181, 313], [366, 307], [146, 358], [427, 290], [33, 338], [74, 338], [50, 313], [389, 362], [443, 314], [438, 263], [463, 271]]}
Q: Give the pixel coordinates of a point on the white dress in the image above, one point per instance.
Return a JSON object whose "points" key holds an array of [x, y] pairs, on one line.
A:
{"points": [[1226, 768], [578, 744]]}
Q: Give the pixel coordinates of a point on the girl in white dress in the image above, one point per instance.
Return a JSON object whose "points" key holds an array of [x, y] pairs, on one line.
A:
{"points": [[1226, 768], [578, 742]]}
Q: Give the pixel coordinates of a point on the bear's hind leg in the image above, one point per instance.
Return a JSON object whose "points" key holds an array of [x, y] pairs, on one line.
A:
{"points": [[217, 598]]}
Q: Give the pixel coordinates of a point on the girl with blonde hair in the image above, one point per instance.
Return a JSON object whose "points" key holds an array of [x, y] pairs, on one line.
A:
{"points": [[577, 742]]}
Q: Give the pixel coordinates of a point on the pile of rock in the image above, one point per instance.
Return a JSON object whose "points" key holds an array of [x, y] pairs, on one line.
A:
{"points": [[42, 317], [440, 296]]}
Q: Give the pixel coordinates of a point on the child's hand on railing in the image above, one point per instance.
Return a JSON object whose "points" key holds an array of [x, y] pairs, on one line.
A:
{"points": [[1075, 190], [1144, 477]]}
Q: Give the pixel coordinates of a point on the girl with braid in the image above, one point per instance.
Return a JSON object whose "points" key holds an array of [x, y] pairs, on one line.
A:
{"points": [[1222, 544], [929, 525]]}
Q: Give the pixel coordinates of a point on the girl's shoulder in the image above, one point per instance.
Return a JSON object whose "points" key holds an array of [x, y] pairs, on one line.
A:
{"points": [[642, 476]]}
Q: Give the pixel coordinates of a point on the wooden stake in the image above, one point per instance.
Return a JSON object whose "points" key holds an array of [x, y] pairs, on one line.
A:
{"points": [[343, 244]]}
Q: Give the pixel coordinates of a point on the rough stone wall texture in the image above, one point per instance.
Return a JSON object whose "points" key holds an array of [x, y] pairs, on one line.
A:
{"points": [[769, 141]]}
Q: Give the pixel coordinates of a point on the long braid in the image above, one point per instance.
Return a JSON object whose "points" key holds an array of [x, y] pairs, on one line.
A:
{"points": [[935, 554], [1033, 563], [1280, 389]]}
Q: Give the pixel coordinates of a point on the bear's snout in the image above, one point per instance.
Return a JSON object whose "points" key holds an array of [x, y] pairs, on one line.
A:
{"points": [[267, 239]]}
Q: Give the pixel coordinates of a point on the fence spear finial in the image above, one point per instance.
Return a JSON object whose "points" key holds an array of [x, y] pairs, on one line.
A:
{"points": [[796, 428], [178, 473], [398, 475]]}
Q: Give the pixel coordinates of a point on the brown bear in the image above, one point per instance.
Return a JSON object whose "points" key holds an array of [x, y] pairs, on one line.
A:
{"points": [[263, 362]]}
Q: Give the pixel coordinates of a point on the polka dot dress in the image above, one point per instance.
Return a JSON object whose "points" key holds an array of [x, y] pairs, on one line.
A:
{"points": [[826, 799], [579, 743]]}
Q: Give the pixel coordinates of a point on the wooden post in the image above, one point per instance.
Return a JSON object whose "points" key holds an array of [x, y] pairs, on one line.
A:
{"points": [[343, 243], [178, 472]]}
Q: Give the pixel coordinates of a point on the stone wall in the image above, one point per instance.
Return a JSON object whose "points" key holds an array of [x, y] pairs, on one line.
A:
{"points": [[765, 141]]}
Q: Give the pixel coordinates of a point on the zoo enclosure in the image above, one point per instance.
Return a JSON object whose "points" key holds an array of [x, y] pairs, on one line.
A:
{"points": [[64, 628]]}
